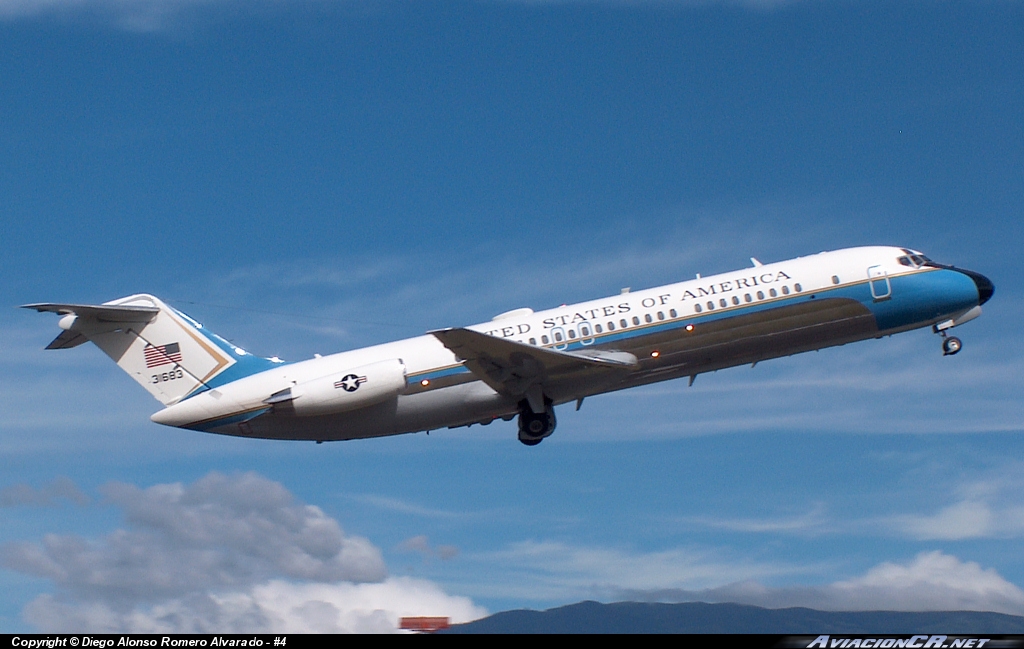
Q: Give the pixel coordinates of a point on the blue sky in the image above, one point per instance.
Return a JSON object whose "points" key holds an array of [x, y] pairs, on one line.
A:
{"points": [[309, 177]]}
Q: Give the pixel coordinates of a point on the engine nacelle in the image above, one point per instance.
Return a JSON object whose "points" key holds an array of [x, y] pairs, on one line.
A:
{"points": [[344, 391]]}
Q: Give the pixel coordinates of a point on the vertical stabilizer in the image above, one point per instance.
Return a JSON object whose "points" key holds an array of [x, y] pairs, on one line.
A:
{"points": [[164, 350]]}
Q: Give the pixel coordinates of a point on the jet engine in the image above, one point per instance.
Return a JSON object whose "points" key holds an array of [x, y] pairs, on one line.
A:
{"points": [[343, 391]]}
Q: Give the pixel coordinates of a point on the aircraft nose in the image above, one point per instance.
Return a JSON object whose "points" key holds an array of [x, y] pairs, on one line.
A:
{"points": [[985, 286]]}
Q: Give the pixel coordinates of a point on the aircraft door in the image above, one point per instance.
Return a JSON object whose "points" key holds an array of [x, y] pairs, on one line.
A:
{"points": [[558, 335], [878, 279], [586, 333]]}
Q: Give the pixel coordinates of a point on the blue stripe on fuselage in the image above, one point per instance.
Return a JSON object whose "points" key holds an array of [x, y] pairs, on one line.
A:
{"points": [[245, 363], [237, 418]]}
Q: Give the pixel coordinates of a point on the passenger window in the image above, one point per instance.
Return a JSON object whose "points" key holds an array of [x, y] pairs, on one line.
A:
{"points": [[611, 326], [584, 331], [760, 295], [648, 318], [797, 287], [785, 290], [735, 300], [636, 320], [773, 292], [672, 313], [835, 279], [558, 336], [661, 315], [597, 328], [623, 323], [747, 298], [722, 302], [572, 334], [533, 341], [696, 308], [544, 339], [711, 305]]}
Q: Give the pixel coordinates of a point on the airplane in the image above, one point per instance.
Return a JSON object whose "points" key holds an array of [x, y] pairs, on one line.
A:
{"points": [[524, 363]]}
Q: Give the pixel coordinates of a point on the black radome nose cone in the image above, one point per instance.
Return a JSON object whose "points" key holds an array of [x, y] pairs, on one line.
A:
{"points": [[985, 286]]}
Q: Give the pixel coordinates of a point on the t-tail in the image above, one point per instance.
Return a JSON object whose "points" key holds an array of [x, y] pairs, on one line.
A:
{"points": [[164, 350]]}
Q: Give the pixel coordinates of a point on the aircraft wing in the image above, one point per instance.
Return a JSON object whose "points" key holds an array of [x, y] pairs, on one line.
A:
{"points": [[513, 368]]}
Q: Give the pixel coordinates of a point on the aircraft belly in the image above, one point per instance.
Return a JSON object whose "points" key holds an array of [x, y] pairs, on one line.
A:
{"points": [[376, 420], [451, 407], [458, 405]]}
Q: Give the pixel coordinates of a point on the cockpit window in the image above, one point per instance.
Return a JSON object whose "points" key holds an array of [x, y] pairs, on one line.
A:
{"points": [[912, 259]]}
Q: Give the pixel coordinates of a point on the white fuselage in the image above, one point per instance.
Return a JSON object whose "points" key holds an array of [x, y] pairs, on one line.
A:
{"points": [[681, 329]]}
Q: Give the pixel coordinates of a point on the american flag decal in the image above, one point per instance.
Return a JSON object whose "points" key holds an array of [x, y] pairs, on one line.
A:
{"points": [[157, 355]]}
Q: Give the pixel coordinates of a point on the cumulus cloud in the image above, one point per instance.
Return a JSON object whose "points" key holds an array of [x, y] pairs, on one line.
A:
{"points": [[226, 553], [48, 495], [274, 606], [986, 508], [932, 581]]}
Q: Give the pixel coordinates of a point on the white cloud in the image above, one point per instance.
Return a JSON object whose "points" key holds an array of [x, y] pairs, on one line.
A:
{"points": [[226, 553], [152, 15], [985, 509], [404, 507], [274, 606], [813, 521], [48, 495], [962, 520], [550, 571], [135, 15], [421, 544], [932, 581]]}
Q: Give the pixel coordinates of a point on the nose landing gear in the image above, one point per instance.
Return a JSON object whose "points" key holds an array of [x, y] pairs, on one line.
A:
{"points": [[950, 345]]}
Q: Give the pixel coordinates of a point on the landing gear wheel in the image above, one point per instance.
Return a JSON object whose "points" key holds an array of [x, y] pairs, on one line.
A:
{"points": [[533, 427], [951, 346]]}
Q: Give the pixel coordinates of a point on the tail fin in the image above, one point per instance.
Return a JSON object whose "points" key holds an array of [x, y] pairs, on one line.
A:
{"points": [[167, 352]]}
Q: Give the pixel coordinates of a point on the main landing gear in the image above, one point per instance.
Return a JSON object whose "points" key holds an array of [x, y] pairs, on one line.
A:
{"points": [[534, 427]]}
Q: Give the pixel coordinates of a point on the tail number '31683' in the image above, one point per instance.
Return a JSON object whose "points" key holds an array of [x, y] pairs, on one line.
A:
{"points": [[168, 376]]}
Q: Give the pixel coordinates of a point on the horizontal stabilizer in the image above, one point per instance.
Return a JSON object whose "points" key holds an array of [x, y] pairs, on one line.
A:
{"points": [[67, 340], [99, 312]]}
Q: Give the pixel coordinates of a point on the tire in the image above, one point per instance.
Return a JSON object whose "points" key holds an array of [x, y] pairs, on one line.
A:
{"points": [[951, 346]]}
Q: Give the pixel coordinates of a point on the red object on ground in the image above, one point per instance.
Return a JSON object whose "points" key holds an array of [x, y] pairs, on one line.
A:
{"points": [[424, 624]]}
